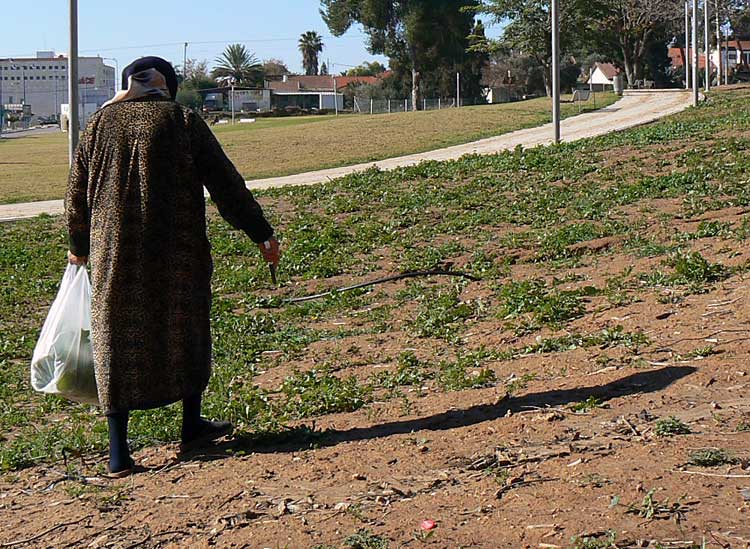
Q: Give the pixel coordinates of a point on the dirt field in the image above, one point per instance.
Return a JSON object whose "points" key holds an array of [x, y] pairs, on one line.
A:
{"points": [[592, 390]]}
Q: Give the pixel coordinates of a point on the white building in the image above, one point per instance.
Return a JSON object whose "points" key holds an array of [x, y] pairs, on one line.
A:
{"points": [[41, 84], [603, 76]]}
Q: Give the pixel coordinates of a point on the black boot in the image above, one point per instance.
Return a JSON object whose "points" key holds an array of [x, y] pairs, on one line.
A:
{"points": [[120, 462], [197, 431]]}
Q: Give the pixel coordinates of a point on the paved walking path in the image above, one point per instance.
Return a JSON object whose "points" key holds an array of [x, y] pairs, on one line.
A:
{"points": [[634, 109]]}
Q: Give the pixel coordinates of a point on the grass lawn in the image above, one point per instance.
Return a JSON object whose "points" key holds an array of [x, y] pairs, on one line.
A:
{"points": [[35, 168]]}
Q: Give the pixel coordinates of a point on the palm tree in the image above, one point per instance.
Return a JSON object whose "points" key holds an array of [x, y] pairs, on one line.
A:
{"points": [[310, 44], [238, 65]]}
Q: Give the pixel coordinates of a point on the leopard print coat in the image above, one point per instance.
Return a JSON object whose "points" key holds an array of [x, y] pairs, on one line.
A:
{"points": [[135, 205]]}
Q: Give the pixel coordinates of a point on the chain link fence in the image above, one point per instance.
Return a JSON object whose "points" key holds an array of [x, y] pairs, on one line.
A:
{"points": [[363, 105]]}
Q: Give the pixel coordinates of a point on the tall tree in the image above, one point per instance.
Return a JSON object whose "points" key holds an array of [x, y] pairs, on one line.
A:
{"points": [[239, 65], [632, 29], [275, 68], [417, 35], [310, 45], [366, 69], [528, 27], [738, 12], [196, 75]]}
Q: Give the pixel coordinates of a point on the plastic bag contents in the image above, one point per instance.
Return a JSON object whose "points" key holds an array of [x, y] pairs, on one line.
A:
{"points": [[63, 361]]}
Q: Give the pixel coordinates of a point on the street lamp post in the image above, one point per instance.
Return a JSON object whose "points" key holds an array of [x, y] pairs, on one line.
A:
{"points": [[688, 63], [707, 40], [556, 69], [720, 66], [696, 59], [74, 122], [232, 99]]}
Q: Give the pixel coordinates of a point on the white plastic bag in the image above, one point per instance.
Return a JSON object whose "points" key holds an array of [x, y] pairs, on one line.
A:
{"points": [[63, 361]]}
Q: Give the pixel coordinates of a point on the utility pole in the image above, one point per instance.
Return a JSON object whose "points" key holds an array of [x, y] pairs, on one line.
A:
{"points": [[74, 123], [556, 69], [720, 67], [707, 40], [688, 63], [184, 62], [696, 59], [232, 101]]}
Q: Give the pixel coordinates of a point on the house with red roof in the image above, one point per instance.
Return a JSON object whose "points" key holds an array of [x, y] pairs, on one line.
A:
{"points": [[314, 92], [603, 76], [734, 54]]}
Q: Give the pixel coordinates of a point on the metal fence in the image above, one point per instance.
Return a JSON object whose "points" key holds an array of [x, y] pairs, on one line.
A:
{"points": [[364, 105]]}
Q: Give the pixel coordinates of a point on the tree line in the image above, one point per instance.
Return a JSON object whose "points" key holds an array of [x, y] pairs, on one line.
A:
{"points": [[428, 42]]}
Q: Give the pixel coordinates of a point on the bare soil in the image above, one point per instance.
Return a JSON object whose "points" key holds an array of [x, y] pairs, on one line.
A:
{"points": [[492, 469], [391, 465]]}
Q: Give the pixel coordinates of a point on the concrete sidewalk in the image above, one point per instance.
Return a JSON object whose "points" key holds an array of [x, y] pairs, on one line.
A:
{"points": [[634, 109]]}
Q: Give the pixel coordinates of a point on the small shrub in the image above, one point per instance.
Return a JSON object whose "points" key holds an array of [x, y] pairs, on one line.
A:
{"points": [[364, 539], [440, 314], [456, 376], [411, 371], [544, 305], [671, 426], [600, 541], [318, 392], [590, 403], [694, 269], [701, 352], [519, 383], [711, 457]]}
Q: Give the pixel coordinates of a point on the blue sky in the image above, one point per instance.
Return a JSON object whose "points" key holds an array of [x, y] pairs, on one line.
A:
{"points": [[127, 30]]}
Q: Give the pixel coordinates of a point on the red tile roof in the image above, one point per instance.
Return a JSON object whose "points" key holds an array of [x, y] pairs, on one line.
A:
{"points": [[319, 83], [677, 55], [608, 69]]}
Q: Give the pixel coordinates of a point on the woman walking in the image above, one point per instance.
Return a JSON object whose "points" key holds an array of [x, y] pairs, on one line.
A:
{"points": [[135, 205]]}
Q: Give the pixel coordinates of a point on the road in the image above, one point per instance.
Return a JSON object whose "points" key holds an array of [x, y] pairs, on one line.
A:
{"points": [[18, 134], [634, 109]]}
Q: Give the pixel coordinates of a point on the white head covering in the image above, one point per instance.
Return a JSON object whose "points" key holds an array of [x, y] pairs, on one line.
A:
{"points": [[149, 82]]}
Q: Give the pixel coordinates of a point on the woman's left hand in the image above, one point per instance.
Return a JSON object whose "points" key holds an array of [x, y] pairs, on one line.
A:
{"points": [[77, 260]]}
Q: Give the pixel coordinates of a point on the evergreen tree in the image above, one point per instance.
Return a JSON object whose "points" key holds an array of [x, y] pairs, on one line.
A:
{"points": [[424, 39]]}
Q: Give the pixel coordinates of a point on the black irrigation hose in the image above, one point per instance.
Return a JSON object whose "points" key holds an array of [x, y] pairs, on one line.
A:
{"points": [[392, 278]]}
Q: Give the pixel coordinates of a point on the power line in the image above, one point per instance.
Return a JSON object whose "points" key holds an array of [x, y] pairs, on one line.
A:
{"points": [[199, 43]]}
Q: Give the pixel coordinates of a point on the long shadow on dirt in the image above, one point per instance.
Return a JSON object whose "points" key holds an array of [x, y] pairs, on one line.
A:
{"points": [[305, 437]]}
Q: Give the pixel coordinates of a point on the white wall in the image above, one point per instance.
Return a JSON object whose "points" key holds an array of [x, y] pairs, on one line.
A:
{"points": [[598, 78], [328, 102]]}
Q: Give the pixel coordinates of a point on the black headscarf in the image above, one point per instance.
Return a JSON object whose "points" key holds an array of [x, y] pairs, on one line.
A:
{"points": [[145, 63]]}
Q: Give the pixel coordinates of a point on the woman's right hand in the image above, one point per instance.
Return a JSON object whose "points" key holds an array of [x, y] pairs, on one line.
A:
{"points": [[77, 260]]}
